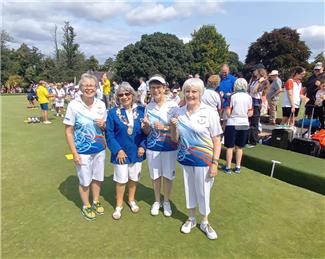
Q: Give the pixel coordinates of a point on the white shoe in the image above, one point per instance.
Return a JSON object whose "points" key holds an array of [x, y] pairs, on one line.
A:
{"points": [[155, 208], [47, 122], [209, 231], [188, 225], [134, 207], [167, 209], [57, 115], [117, 213]]}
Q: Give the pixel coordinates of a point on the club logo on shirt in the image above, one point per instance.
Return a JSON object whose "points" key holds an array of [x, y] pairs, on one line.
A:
{"points": [[202, 120]]}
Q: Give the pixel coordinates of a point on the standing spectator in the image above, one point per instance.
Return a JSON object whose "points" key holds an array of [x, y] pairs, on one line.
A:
{"points": [[310, 87], [127, 143], [226, 86], [31, 96], [258, 85], [84, 124], [142, 91], [320, 101], [59, 100], [273, 95], [106, 84], [236, 132], [43, 99], [210, 96], [292, 96], [175, 97], [197, 129], [161, 150]]}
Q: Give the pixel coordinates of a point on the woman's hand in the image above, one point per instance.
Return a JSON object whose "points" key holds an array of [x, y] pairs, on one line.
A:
{"points": [[145, 124], [140, 151], [121, 157], [213, 170], [100, 123], [158, 126], [77, 159], [174, 122]]}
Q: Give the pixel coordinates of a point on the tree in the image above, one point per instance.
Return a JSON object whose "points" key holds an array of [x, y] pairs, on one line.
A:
{"points": [[155, 53], [92, 64], [234, 63], [209, 49], [109, 66], [14, 80], [320, 58], [279, 49]]}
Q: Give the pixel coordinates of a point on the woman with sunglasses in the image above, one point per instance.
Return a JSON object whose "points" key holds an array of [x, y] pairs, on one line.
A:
{"points": [[127, 144]]}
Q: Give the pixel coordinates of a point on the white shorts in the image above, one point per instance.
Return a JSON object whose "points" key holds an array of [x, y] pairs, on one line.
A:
{"points": [[59, 103], [162, 164], [122, 173], [91, 168], [197, 183]]}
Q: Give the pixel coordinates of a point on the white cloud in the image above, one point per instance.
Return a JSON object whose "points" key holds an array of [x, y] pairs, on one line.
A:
{"points": [[314, 36], [149, 13]]}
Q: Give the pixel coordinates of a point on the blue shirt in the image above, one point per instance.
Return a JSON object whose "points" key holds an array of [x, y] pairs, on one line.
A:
{"points": [[227, 86], [118, 137]]}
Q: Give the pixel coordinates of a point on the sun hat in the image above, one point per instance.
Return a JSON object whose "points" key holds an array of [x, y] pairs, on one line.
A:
{"points": [[274, 73], [157, 78]]}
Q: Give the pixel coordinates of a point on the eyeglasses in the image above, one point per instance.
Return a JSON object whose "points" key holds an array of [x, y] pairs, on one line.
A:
{"points": [[127, 94]]}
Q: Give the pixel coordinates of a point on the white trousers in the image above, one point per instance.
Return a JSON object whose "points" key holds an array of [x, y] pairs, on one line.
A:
{"points": [[197, 183], [162, 164]]}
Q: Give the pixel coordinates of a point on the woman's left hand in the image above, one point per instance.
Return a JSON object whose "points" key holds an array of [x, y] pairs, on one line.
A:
{"points": [[140, 151], [213, 170], [100, 123]]}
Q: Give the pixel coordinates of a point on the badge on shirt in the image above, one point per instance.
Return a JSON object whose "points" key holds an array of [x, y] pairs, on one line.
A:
{"points": [[202, 120]]}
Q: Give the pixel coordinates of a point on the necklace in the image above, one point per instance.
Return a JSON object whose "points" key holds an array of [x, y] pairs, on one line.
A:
{"points": [[125, 120]]}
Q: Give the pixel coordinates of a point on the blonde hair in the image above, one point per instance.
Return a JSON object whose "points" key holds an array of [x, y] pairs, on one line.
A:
{"points": [[194, 82], [240, 85]]}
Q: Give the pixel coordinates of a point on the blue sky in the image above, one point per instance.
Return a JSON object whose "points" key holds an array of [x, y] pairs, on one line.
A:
{"points": [[105, 27]]}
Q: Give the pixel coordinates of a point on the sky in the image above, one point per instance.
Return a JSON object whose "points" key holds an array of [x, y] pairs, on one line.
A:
{"points": [[105, 27]]}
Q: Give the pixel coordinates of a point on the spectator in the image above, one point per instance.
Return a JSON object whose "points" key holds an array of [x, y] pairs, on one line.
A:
{"points": [[292, 96], [175, 97], [258, 85], [84, 124], [320, 101], [43, 99], [310, 87], [197, 130], [161, 150], [236, 132], [142, 91], [106, 84], [127, 143], [210, 96], [59, 100], [273, 95]]}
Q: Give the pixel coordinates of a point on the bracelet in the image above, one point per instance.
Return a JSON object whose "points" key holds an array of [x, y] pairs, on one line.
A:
{"points": [[215, 161]]}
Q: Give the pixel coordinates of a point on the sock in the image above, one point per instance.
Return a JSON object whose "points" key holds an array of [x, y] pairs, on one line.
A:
{"points": [[86, 206], [204, 222], [95, 202], [191, 219]]}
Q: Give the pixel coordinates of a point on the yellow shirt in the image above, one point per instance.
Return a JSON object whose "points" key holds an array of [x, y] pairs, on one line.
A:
{"points": [[106, 87], [42, 94]]}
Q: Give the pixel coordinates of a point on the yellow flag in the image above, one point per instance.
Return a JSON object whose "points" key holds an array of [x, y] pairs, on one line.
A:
{"points": [[69, 156]]}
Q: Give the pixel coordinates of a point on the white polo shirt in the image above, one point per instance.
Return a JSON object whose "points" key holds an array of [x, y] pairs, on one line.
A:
{"points": [[196, 132], [160, 140], [240, 104], [88, 137], [211, 98], [295, 86]]}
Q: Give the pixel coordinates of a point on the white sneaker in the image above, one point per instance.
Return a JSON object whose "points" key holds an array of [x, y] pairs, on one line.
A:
{"points": [[188, 225], [117, 213], [167, 209], [155, 208], [57, 115], [134, 207], [209, 231], [47, 122]]}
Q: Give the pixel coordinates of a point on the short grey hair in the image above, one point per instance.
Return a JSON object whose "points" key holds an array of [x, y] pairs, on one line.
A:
{"points": [[125, 87], [86, 76], [240, 85], [194, 82]]}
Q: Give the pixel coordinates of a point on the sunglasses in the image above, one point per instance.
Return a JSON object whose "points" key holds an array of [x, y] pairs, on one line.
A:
{"points": [[122, 94]]}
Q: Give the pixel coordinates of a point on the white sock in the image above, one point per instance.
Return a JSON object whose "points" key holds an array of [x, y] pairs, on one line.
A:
{"points": [[204, 222], [191, 219]]}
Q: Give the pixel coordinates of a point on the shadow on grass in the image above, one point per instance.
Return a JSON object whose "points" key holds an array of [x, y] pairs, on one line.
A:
{"points": [[69, 189]]}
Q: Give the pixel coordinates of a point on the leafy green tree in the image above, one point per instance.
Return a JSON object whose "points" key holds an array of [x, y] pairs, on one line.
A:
{"points": [[155, 53], [320, 58], [109, 66], [92, 63], [279, 49], [14, 80], [209, 49], [234, 63]]}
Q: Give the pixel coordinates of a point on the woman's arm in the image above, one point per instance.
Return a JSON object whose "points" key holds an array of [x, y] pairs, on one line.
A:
{"points": [[70, 140], [213, 170], [173, 129]]}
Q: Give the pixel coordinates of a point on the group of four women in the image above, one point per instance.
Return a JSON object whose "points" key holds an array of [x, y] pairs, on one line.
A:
{"points": [[161, 132]]}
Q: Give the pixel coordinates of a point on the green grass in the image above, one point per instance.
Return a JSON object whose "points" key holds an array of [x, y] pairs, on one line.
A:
{"points": [[255, 216]]}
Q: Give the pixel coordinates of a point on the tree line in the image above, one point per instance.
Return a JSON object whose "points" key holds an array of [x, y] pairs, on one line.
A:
{"points": [[165, 53]]}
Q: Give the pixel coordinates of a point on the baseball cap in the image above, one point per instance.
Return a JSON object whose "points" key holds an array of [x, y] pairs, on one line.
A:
{"points": [[274, 73], [318, 65], [157, 78]]}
